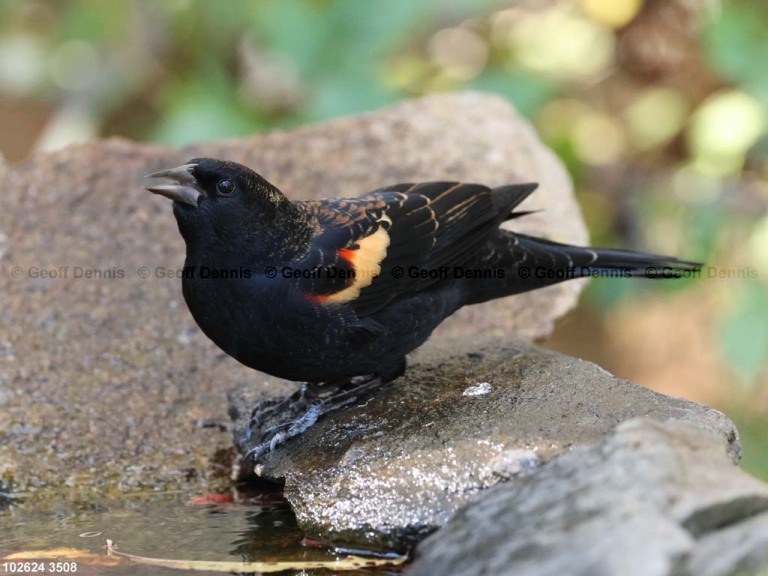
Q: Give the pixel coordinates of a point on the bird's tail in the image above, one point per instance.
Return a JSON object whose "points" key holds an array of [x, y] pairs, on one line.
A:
{"points": [[515, 263]]}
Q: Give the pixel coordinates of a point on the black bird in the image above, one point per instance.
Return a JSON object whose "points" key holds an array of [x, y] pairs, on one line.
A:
{"points": [[336, 292]]}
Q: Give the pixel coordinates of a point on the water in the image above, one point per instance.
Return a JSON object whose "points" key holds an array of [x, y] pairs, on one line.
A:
{"points": [[252, 527]]}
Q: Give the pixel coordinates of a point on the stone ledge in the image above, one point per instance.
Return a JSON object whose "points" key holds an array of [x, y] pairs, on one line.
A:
{"points": [[390, 471], [651, 499]]}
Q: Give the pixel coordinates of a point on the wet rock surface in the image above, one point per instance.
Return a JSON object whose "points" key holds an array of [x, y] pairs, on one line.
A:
{"points": [[653, 499], [106, 384], [390, 471]]}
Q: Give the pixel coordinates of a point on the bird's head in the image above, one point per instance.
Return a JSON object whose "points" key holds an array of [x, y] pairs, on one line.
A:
{"points": [[223, 203]]}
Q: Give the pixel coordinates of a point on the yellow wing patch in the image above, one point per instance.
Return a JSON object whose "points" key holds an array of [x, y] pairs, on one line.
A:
{"points": [[366, 261]]}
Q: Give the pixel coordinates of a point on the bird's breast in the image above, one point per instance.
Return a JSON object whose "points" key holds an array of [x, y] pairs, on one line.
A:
{"points": [[264, 322]]}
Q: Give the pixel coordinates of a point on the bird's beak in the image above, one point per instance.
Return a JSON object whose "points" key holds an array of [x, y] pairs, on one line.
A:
{"points": [[186, 190]]}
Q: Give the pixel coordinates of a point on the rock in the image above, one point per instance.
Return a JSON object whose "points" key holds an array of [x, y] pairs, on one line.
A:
{"points": [[389, 472], [652, 499], [104, 372], [737, 548]]}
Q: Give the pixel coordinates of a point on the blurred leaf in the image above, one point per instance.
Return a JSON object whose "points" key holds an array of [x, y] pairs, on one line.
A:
{"points": [[347, 95], [206, 110], [221, 19], [602, 293], [374, 28], [564, 150], [339, 46], [703, 223], [296, 28], [744, 332], [98, 22], [323, 37], [199, 118], [527, 92], [736, 42], [753, 434]]}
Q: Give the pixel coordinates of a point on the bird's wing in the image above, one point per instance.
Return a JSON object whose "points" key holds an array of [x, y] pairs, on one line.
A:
{"points": [[370, 250]]}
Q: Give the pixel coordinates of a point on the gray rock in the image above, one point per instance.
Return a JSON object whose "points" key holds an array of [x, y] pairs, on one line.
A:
{"points": [[396, 468], [652, 499], [105, 377], [736, 549]]}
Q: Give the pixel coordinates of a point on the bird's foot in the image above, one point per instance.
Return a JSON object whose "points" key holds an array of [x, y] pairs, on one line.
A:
{"points": [[267, 409], [304, 408]]}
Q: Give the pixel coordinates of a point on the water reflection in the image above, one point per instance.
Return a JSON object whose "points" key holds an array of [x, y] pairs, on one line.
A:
{"points": [[242, 526]]}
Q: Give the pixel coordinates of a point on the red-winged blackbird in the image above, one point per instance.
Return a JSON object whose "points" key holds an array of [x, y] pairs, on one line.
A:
{"points": [[328, 291]]}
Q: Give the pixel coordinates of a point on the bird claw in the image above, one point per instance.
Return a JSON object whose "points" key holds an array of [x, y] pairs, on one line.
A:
{"points": [[270, 407], [294, 428], [331, 398]]}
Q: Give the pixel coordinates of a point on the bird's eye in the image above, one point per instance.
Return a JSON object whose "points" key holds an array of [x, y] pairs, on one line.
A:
{"points": [[225, 187]]}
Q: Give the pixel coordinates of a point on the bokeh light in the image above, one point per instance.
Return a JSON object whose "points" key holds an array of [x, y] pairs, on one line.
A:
{"points": [[459, 52], [562, 43], [612, 13], [599, 138], [723, 129], [22, 63], [655, 117]]}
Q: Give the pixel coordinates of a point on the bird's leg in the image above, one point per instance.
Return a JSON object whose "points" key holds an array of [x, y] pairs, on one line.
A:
{"points": [[324, 399], [268, 413], [272, 406], [349, 391]]}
